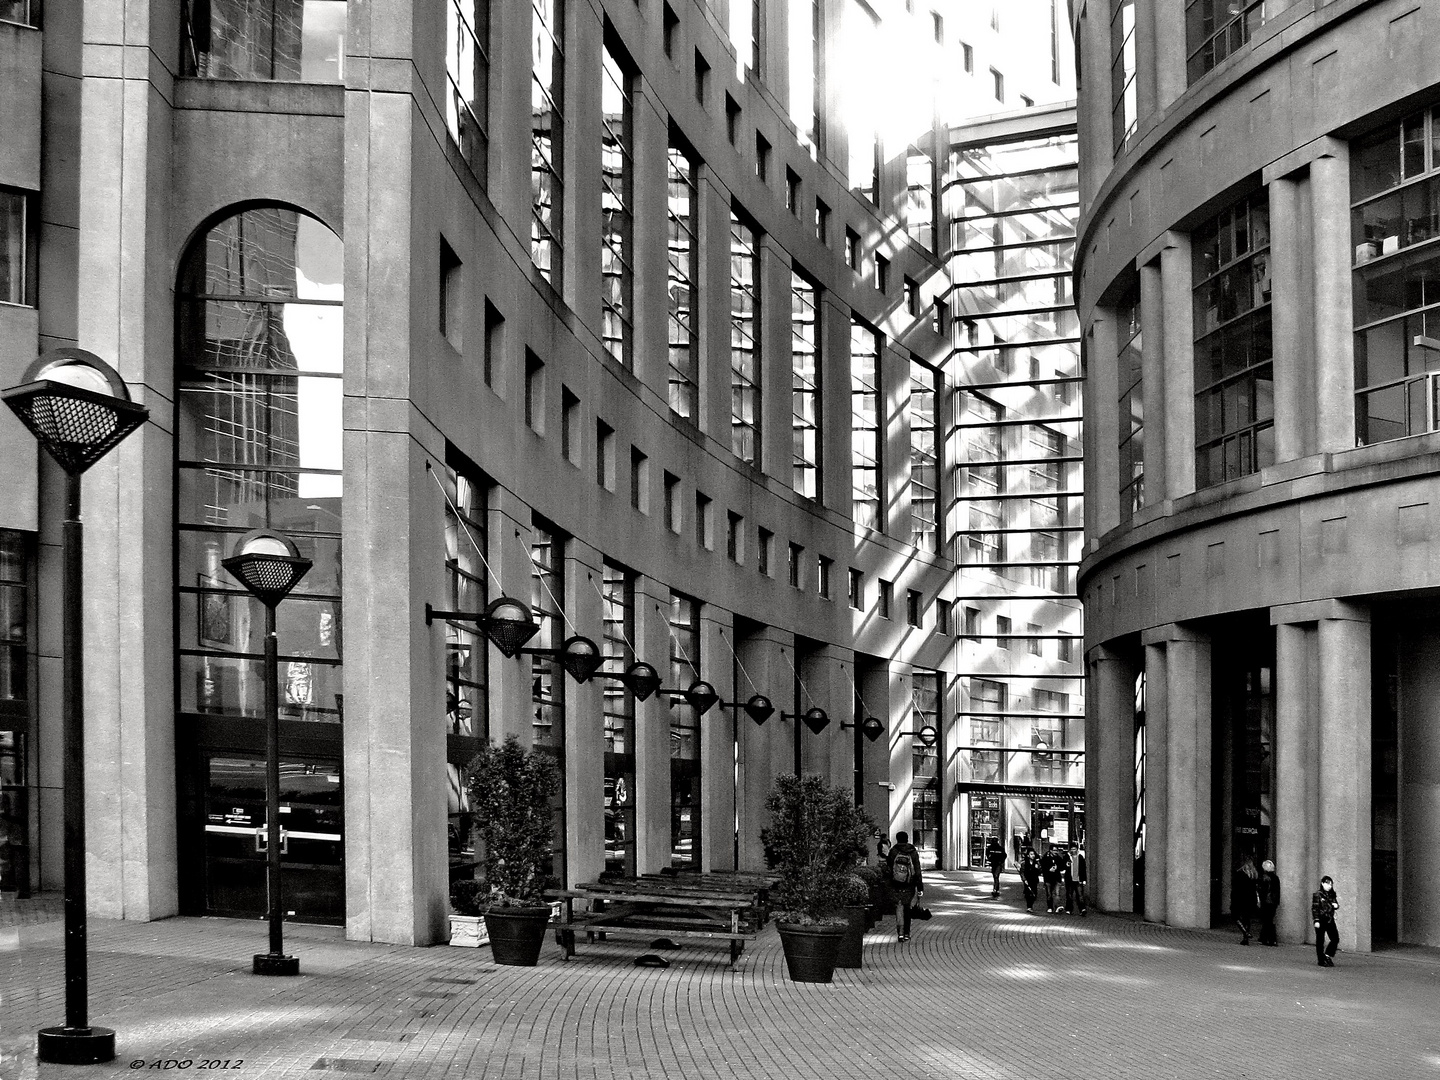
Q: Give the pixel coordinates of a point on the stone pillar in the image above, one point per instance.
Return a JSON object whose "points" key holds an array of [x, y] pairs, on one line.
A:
{"points": [[1289, 267], [1152, 388], [1295, 789], [1109, 847], [1344, 773], [874, 685], [1334, 326], [1188, 778], [1145, 61], [718, 729], [1101, 413], [902, 760], [1157, 786], [1171, 78], [1178, 348], [584, 722], [652, 731], [762, 672]]}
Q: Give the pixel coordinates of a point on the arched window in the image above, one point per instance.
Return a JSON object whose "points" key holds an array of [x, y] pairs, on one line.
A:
{"points": [[258, 434]]}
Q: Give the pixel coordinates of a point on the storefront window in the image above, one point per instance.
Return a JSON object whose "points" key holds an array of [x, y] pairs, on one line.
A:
{"points": [[621, 794], [684, 735], [925, 767], [271, 40], [14, 713], [547, 677], [466, 657]]}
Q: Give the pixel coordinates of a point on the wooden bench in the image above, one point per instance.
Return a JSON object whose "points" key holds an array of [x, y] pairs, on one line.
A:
{"points": [[646, 909]]}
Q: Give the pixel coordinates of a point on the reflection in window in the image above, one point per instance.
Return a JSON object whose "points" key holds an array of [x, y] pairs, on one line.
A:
{"points": [[683, 278], [15, 649], [925, 765], [547, 136], [617, 177], [1131, 413], [271, 40], [684, 735], [467, 721], [744, 342], [1123, 99], [259, 430], [467, 69], [14, 247], [547, 677], [621, 792], [865, 431], [804, 387], [924, 466]]}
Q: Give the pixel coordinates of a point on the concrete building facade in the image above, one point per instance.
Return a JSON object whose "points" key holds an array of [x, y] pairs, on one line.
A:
{"points": [[592, 303], [1260, 456]]}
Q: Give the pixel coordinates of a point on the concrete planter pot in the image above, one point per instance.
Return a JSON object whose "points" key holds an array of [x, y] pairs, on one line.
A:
{"points": [[468, 931], [810, 951], [516, 934]]}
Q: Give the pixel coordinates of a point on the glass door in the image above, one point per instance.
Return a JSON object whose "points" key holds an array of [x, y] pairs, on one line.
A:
{"points": [[311, 839]]}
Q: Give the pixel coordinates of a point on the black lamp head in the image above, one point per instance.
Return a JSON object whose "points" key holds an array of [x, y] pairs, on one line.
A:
{"points": [[816, 719], [267, 564], [580, 657], [76, 405], [759, 708], [872, 728], [509, 625], [927, 735], [641, 679], [701, 696]]}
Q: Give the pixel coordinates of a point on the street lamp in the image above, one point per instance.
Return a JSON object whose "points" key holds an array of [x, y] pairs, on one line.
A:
{"points": [[269, 566], [79, 409]]}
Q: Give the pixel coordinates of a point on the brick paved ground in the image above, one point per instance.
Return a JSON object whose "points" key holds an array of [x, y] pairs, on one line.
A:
{"points": [[984, 990]]}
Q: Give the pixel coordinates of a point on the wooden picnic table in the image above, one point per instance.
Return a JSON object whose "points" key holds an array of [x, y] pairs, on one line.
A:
{"points": [[646, 909]]}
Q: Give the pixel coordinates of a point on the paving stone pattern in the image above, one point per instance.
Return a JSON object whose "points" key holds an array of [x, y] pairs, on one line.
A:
{"points": [[984, 990]]}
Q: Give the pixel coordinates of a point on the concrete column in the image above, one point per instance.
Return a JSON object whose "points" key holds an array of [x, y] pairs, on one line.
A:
{"points": [[1101, 411], [1344, 773], [581, 223], [713, 374], [902, 761], [1109, 847], [814, 693], [717, 747], [834, 344], [1170, 53], [652, 732], [650, 230], [1092, 39], [1152, 390], [1179, 351], [584, 723], [759, 655], [1187, 852], [1289, 269], [1145, 57], [1157, 780], [874, 685], [1334, 326], [508, 182], [1295, 788]]}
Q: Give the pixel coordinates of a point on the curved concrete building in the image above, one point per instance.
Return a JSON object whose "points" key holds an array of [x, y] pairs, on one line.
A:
{"points": [[1256, 282]]}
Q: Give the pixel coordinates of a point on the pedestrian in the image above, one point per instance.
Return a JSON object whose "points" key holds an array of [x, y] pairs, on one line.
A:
{"points": [[882, 849], [904, 865], [1324, 902], [1030, 874], [1075, 882], [1267, 895], [1244, 896], [1053, 867], [995, 856]]}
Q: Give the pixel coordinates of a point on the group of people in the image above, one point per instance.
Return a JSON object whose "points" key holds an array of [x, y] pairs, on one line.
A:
{"points": [[1255, 891], [1061, 869]]}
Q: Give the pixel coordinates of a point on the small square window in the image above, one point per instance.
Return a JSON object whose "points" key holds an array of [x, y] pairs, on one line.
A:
{"points": [[857, 589], [941, 323], [569, 426], [734, 537], [887, 597], [764, 539], [672, 502], [797, 553], [999, 84], [1027, 102], [912, 607], [822, 576]]}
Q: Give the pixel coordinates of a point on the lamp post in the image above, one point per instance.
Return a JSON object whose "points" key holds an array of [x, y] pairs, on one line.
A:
{"points": [[269, 566], [79, 409]]}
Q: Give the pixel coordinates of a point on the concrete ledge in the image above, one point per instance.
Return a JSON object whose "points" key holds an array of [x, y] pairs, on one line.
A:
{"points": [[1159, 635], [1309, 611]]}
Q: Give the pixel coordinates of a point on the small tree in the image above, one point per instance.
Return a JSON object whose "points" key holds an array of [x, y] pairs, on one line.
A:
{"points": [[815, 837], [510, 789]]}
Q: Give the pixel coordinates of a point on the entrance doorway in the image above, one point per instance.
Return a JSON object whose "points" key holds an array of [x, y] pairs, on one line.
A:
{"points": [[311, 838]]}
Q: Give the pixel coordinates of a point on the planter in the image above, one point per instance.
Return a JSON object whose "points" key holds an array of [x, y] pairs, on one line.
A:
{"points": [[517, 933], [468, 931], [810, 951], [852, 944]]}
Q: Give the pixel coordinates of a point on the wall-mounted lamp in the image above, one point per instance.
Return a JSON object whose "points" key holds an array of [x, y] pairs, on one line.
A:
{"points": [[927, 735], [640, 678], [870, 727], [759, 708], [700, 696], [509, 623], [816, 718]]}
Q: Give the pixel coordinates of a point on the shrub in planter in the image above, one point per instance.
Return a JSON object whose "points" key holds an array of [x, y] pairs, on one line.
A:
{"points": [[467, 923], [510, 790], [815, 836], [855, 894]]}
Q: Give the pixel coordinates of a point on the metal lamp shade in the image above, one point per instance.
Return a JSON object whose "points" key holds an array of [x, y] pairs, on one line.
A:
{"points": [[76, 406], [701, 696], [816, 719], [872, 728], [759, 708], [268, 565], [580, 657], [927, 735], [641, 679], [509, 625]]}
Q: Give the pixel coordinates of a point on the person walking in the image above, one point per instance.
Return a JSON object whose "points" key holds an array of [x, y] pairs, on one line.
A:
{"points": [[1243, 896], [995, 856], [1053, 867], [904, 865], [1324, 902], [1075, 880], [1267, 896], [1030, 875]]}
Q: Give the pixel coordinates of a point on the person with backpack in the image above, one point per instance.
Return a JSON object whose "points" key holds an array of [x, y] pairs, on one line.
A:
{"points": [[904, 865], [995, 856], [1030, 874]]}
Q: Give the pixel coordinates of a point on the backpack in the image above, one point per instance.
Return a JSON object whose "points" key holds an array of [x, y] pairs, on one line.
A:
{"points": [[902, 870]]}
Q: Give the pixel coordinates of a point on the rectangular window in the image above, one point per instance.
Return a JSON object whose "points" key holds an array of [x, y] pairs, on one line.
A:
{"points": [[856, 591], [685, 668], [912, 607], [792, 191], [938, 27], [639, 481], [669, 29], [924, 464], [1216, 28], [925, 795], [467, 69], [822, 222], [494, 342], [805, 387], [941, 320], [1123, 102], [682, 299], [24, 12], [618, 618], [822, 576], [1002, 632], [1131, 413], [999, 81], [547, 677], [920, 198], [886, 598], [797, 555], [943, 609], [1055, 42], [283, 41], [806, 58], [882, 274], [967, 58], [865, 428], [617, 179], [1067, 648], [534, 392], [764, 539], [972, 623], [569, 426], [1234, 376], [1026, 101], [852, 249], [702, 83], [983, 479], [744, 341], [734, 537], [747, 36], [762, 158], [604, 455], [704, 521], [451, 296], [16, 248], [911, 289], [672, 502], [547, 136], [732, 119]]}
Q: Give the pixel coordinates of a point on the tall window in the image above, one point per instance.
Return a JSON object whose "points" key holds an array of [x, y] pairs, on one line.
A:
{"points": [[1131, 413], [924, 468], [1046, 451], [747, 34], [15, 655], [684, 735], [1123, 102], [259, 39], [806, 43], [988, 703], [617, 182], [467, 67], [1234, 376], [863, 91], [1395, 182], [258, 422], [547, 677], [804, 387], [983, 481], [547, 136], [920, 198], [865, 429], [621, 794], [681, 300], [15, 247], [925, 766], [744, 342], [1216, 28], [466, 657]]}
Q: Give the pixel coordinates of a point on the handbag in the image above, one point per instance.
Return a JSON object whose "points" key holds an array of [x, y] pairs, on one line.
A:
{"points": [[921, 913]]}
